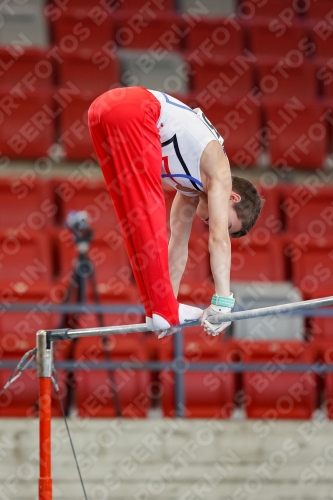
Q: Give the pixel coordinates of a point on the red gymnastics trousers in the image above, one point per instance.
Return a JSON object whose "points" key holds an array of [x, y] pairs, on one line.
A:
{"points": [[126, 139]]}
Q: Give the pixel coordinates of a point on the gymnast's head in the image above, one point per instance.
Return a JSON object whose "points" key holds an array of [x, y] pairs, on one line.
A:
{"points": [[245, 204]]}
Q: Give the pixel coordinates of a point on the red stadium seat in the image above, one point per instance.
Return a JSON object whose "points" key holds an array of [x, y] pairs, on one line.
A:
{"points": [[197, 270], [196, 287], [107, 253], [27, 200], [17, 336], [308, 210], [199, 228], [146, 31], [239, 123], [319, 9], [275, 394], [88, 73], [94, 394], [26, 67], [297, 133], [21, 398], [283, 9], [257, 258], [270, 218], [74, 132], [312, 263], [225, 38], [196, 293], [81, 28], [322, 35], [324, 76], [207, 394], [27, 125], [25, 256], [282, 80], [218, 77], [18, 328], [92, 197], [270, 37]]}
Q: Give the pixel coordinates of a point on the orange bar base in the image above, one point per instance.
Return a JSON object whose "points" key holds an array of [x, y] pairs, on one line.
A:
{"points": [[45, 488], [45, 479]]}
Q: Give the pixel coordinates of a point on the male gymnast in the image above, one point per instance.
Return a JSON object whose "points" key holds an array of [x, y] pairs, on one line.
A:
{"points": [[139, 136]]}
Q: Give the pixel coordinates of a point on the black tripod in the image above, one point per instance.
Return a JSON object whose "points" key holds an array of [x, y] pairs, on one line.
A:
{"points": [[83, 274]]}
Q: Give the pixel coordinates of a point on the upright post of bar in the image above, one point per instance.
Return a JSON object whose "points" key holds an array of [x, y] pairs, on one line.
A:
{"points": [[179, 373], [44, 367]]}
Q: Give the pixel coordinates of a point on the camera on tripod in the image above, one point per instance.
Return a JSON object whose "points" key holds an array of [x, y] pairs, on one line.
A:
{"points": [[83, 275], [79, 223]]}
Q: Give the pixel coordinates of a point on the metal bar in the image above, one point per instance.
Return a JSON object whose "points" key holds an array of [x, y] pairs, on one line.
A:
{"points": [[190, 367], [269, 311], [44, 365], [179, 369], [219, 318], [96, 332]]}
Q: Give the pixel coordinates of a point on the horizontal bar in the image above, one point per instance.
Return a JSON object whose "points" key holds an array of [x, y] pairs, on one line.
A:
{"points": [[220, 318], [182, 366], [269, 311]]}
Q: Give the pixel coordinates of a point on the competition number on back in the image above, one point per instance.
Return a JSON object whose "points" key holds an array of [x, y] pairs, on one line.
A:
{"points": [[209, 124]]}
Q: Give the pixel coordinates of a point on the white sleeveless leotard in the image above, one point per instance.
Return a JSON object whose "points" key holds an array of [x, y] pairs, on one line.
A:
{"points": [[184, 134]]}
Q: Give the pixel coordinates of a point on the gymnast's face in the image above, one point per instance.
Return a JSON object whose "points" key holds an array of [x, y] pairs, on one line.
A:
{"points": [[234, 223]]}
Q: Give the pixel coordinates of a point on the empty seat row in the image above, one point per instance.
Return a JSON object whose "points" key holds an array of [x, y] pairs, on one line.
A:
{"points": [[292, 208], [171, 32], [28, 24], [271, 393], [30, 68], [32, 256], [293, 132], [265, 77], [18, 327], [285, 9]]}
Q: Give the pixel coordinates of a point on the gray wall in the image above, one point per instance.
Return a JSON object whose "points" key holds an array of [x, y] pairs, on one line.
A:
{"points": [[173, 459]]}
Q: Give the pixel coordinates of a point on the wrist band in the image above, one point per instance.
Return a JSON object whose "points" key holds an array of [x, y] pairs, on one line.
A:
{"points": [[218, 300]]}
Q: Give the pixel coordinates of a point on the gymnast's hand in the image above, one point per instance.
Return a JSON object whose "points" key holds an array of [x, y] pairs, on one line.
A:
{"points": [[210, 322]]}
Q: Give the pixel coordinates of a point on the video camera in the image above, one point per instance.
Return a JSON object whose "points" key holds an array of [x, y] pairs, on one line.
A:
{"points": [[79, 223]]}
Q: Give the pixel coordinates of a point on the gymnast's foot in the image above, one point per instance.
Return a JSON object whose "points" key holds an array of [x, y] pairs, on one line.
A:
{"points": [[186, 313]]}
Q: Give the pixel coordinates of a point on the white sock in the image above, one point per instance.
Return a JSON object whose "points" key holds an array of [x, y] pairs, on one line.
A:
{"points": [[186, 313], [160, 323], [189, 313], [149, 323]]}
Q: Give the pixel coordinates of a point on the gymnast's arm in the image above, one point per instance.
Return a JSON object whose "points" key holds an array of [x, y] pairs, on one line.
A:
{"points": [[216, 179], [181, 217]]}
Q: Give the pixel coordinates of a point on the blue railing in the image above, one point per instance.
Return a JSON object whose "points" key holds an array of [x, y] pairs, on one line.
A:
{"points": [[178, 365]]}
